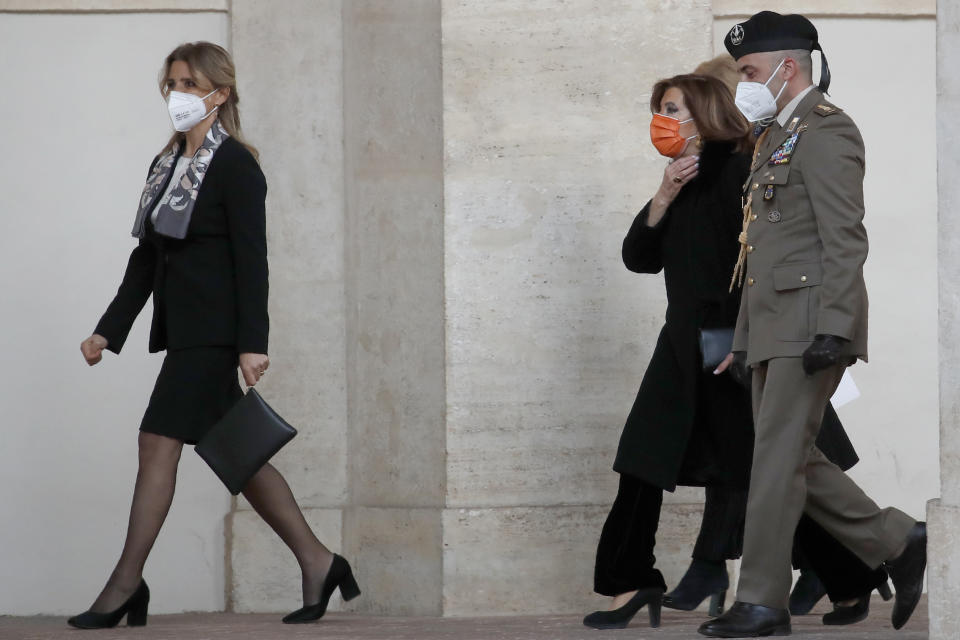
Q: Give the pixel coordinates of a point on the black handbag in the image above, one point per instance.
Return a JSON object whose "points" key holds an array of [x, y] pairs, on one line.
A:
{"points": [[715, 344], [244, 440]]}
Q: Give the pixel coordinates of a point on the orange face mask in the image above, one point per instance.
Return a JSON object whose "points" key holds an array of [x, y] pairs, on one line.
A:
{"points": [[665, 135]]}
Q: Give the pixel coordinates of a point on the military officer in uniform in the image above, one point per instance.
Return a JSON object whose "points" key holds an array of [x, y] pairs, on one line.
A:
{"points": [[802, 321]]}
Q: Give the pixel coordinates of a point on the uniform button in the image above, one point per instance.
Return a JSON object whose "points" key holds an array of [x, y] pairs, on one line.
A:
{"points": [[750, 281], [753, 216], [750, 250], [755, 186], [803, 278]]}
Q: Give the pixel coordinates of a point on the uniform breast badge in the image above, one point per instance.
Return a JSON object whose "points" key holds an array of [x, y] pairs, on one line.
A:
{"points": [[784, 151], [768, 192], [774, 216]]}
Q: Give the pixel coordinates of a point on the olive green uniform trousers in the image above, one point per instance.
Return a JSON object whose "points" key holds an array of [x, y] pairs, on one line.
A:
{"points": [[790, 476]]}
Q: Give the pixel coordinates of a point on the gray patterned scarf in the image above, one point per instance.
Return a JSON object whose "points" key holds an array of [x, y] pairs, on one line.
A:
{"points": [[173, 216]]}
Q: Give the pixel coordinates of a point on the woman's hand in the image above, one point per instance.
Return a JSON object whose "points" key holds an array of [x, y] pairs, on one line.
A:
{"points": [[678, 173], [252, 366], [723, 366], [92, 348]]}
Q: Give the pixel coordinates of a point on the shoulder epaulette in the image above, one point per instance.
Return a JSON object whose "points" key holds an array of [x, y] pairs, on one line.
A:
{"points": [[826, 109]]}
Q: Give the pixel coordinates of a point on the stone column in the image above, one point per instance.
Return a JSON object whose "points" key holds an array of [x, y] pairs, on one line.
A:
{"points": [[290, 70], [394, 302], [943, 515]]}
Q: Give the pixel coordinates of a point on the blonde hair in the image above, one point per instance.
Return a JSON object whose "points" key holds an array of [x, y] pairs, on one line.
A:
{"points": [[723, 68], [212, 62]]}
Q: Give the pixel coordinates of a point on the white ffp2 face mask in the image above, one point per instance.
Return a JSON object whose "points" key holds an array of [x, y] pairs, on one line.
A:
{"points": [[187, 110], [755, 100]]}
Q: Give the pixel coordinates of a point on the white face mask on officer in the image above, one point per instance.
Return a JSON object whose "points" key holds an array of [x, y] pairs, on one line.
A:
{"points": [[755, 101], [187, 110]]}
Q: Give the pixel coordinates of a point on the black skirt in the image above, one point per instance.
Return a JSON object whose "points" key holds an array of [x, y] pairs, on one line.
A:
{"points": [[195, 388]]}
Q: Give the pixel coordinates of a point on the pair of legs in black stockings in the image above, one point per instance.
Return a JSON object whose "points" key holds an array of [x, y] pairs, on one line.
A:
{"points": [[267, 492]]}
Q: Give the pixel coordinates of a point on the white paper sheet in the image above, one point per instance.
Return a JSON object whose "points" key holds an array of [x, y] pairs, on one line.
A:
{"points": [[846, 392]]}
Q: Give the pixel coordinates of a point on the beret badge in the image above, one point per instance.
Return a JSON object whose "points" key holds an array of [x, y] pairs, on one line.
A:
{"points": [[736, 35]]}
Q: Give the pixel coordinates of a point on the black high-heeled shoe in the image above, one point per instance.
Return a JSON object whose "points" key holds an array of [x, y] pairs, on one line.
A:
{"points": [[620, 618], [806, 593], [884, 591], [702, 580], [339, 576], [135, 608], [852, 614], [842, 615]]}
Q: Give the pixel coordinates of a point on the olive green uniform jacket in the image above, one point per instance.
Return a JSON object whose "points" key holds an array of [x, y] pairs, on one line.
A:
{"points": [[806, 241]]}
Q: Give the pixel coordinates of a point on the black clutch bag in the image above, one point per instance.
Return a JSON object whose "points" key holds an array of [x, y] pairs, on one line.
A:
{"points": [[244, 440], [715, 344]]}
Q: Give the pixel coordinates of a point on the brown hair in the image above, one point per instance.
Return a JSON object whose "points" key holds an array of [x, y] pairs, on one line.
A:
{"points": [[212, 62], [711, 106]]}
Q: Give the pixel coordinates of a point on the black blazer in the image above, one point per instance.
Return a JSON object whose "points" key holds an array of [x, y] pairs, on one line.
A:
{"points": [[209, 289]]}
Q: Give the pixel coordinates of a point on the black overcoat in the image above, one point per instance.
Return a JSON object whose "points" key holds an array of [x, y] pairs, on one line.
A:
{"points": [[688, 427], [209, 289]]}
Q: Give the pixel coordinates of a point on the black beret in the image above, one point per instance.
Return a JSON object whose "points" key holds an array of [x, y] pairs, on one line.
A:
{"points": [[769, 31]]}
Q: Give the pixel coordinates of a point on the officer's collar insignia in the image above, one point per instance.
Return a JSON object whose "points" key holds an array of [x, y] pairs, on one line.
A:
{"points": [[736, 35], [792, 125], [785, 150]]}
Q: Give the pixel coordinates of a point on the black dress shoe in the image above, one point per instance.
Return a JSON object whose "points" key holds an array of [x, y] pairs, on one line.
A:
{"points": [[702, 580], [806, 593], [848, 615], [339, 576], [620, 618], [746, 620], [906, 572], [135, 608]]}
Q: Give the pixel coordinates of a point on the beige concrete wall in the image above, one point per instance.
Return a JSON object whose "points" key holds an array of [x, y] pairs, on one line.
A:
{"points": [[824, 8], [943, 516], [82, 118], [394, 256], [547, 160], [113, 6], [394, 302], [290, 68]]}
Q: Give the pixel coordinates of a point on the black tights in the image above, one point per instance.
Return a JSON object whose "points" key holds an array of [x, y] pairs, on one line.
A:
{"points": [[267, 492]]}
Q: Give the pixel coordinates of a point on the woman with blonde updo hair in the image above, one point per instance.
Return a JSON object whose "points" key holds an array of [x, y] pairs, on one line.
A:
{"points": [[202, 256]]}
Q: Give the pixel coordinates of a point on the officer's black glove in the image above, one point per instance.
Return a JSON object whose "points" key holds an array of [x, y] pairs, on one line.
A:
{"points": [[823, 353], [739, 369]]}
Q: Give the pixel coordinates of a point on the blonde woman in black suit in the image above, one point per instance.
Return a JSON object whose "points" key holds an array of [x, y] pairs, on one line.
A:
{"points": [[202, 255]]}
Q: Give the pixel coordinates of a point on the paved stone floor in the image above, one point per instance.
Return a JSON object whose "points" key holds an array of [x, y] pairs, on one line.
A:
{"points": [[215, 626]]}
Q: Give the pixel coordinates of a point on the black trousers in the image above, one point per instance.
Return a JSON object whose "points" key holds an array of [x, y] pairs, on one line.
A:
{"points": [[626, 562], [625, 559]]}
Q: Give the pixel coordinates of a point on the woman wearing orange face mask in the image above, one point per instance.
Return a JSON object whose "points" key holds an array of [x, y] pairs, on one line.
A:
{"points": [[687, 426], [691, 426]]}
